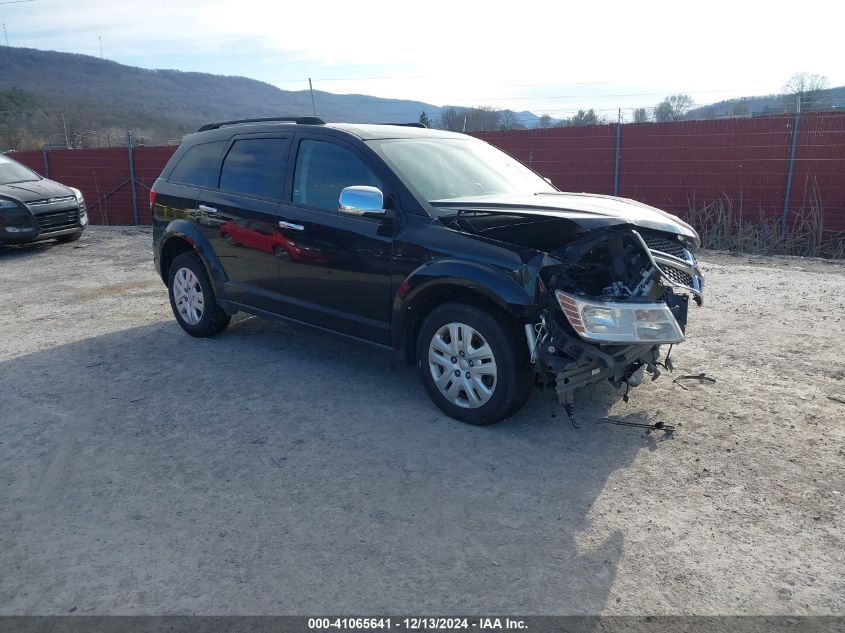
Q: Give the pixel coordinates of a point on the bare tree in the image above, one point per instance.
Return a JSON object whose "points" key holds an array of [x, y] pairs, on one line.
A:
{"points": [[11, 137], [806, 91], [544, 121], [641, 115], [478, 119], [673, 108], [452, 118], [483, 119], [509, 120], [425, 119]]}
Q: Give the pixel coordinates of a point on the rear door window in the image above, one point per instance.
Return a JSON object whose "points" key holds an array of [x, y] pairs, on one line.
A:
{"points": [[255, 167], [322, 171], [198, 166]]}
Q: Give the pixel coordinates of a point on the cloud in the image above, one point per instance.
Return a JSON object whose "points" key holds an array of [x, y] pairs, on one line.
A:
{"points": [[468, 52]]}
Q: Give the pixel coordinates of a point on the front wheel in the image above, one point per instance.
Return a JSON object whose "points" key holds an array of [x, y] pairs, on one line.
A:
{"points": [[473, 365], [192, 297]]}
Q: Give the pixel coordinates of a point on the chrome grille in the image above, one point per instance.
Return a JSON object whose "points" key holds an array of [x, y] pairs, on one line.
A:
{"points": [[670, 247], [678, 276], [58, 220], [52, 204]]}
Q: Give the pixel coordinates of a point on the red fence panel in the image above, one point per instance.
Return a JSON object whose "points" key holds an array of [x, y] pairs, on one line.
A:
{"points": [[574, 158], [103, 177], [685, 165], [33, 160], [819, 176], [680, 166]]}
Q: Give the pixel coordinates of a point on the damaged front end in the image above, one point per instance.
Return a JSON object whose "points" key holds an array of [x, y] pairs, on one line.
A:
{"points": [[610, 299]]}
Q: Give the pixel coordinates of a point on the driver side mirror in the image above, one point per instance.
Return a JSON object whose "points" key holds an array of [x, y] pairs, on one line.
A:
{"points": [[362, 200]]}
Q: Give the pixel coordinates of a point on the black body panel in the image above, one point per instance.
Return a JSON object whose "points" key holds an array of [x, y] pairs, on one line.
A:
{"points": [[367, 277]]}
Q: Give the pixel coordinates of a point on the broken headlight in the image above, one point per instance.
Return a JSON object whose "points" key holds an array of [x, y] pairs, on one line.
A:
{"points": [[631, 323]]}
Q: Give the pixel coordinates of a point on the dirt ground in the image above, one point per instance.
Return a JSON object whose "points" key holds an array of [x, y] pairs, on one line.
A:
{"points": [[269, 471]]}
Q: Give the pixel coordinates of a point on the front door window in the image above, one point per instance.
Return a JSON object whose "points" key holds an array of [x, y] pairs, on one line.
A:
{"points": [[323, 170]]}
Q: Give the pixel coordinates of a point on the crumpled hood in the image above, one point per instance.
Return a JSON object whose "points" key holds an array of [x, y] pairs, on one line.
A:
{"points": [[592, 209], [32, 190]]}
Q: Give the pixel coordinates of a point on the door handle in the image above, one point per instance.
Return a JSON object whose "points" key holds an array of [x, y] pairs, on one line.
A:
{"points": [[207, 209], [292, 227]]}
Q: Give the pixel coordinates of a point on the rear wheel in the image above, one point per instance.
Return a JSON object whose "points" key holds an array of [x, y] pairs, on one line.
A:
{"points": [[192, 297], [473, 364]]}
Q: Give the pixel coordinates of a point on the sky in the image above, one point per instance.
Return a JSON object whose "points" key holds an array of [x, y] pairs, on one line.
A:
{"points": [[548, 57]]}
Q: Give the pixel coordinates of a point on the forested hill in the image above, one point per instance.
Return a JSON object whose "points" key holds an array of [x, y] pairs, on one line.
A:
{"points": [[186, 96]]}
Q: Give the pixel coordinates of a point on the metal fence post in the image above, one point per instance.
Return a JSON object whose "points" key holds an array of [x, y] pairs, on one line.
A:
{"points": [[45, 151], [618, 153], [132, 178], [790, 168]]}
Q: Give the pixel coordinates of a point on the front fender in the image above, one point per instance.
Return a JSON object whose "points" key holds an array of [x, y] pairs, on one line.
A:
{"points": [[495, 285]]}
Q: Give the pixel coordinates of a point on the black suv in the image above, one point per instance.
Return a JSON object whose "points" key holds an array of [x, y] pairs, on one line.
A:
{"points": [[432, 244], [33, 208]]}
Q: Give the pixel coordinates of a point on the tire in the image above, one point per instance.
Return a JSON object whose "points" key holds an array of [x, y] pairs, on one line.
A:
{"points": [[489, 394], [66, 239], [281, 253], [201, 316]]}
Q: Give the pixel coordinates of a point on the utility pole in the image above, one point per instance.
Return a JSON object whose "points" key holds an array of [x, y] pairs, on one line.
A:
{"points": [[100, 39], [790, 169], [5, 35], [313, 103], [618, 154], [64, 125], [132, 178]]}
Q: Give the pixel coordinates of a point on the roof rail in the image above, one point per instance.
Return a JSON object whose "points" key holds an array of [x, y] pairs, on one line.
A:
{"points": [[301, 120], [422, 125]]}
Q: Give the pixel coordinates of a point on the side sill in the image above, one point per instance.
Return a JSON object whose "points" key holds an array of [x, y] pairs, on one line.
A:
{"points": [[234, 306]]}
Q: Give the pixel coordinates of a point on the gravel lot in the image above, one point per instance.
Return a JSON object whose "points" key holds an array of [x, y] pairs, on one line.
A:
{"points": [[272, 471]]}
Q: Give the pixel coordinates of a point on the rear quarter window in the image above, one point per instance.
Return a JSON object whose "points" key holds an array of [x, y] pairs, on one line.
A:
{"points": [[199, 165]]}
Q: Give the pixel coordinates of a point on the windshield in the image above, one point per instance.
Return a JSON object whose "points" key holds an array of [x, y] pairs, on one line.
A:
{"points": [[441, 169], [10, 172]]}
